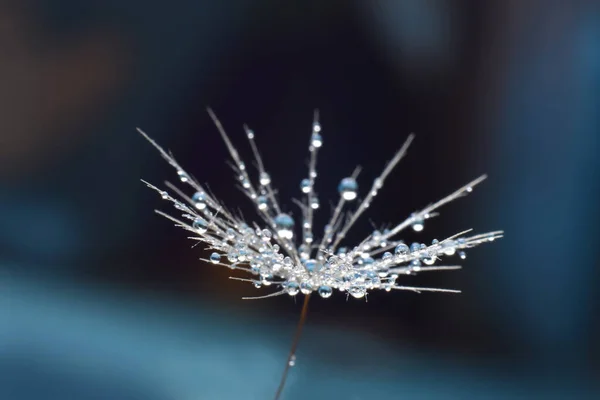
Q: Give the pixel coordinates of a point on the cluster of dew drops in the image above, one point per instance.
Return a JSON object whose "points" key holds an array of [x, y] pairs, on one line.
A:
{"points": [[271, 257]]}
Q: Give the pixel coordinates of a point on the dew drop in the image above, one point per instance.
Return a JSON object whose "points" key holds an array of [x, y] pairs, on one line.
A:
{"points": [[183, 177], [284, 225], [305, 185], [325, 291], [316, 140], [199, 200], [462, 255], [264, 179], [314, 203], [292, 360], [348, 189], [387, 256], [200, 225], [262, 203], [358, 292], [292, 288], [164, 195], [215, 258], [306, 288], [402, 249], [418, 225], [250, 134], [266, 235], [316, 127]]}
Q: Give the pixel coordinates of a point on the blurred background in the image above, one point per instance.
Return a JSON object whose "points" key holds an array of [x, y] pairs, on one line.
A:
{"points": [[102, 299]]}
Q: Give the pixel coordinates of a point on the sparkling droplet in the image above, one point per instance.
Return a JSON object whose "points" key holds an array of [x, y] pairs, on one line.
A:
{"points": [[199, 200], [292, 288], [164, 195], [245, 183], [311, 265], [462, 255], [264, 179], [242, 166], [305, 185], [262, 202], [415, 247], [266, 235], [316, 140], [306, 288], [200, 225], [358, 292], [415, 265], [429, 260], [348, 189], [314, 203], [402, 249], [387, 256], [316, 127], [292, 360], [418, 224], [183, 177], [469, 189], [250, 134], [230, 233], [215, 258], [325, 291], [284, 225]]}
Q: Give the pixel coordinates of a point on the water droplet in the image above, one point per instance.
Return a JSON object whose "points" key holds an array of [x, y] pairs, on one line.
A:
{"points": [[245, 183], [292, 360], [415, 265], [200, 225], [325, 291], [387, 256], [292, 288], [215, 258], [262, 202], [199, 200], [348, 188], [306, 288], [358, 292], [230, 233], [284, 225], [342, 250], [311, 265], [266, 235], [305, 185], [435, 241], [378, 183], [402, 249], [429, 260], [316, 127], [164, 195], [232, 256], [308, 237], [264, 179], [183, 177], [414, 247], [242, 166], [469, 189], [314, 203], [462, 255], [250, 134], [316, 140], [418, 224]]}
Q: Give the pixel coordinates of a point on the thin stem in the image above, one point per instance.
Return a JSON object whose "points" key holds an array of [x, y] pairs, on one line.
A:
{"points": [[294, 346]]}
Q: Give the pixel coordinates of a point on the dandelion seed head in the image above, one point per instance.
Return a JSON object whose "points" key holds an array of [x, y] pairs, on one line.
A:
{"points": [[273, 255]]}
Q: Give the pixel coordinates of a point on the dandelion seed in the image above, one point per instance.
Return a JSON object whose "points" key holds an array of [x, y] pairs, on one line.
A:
{"points": [[292, 264]]}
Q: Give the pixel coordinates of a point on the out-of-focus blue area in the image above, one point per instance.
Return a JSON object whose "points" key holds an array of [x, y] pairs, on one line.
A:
{"points": [[109, 345], [100, 299]]}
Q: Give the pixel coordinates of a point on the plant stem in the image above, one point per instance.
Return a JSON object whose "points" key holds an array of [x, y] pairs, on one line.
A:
{"points": [[294, 346]]}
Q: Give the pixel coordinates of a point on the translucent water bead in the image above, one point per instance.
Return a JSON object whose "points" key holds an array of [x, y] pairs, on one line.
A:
{"points": [[284, 225], [418, 224], [314, 203], [292, 288], [200, 225], [262, 203], [348, 188], [305, 185], [264, 179], [215, 258], [325, 291], [402, 249], [199, 200], [316, 140]]}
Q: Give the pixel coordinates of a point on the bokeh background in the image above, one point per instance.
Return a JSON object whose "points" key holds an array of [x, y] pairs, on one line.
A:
{"points": [[102, 299]]}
